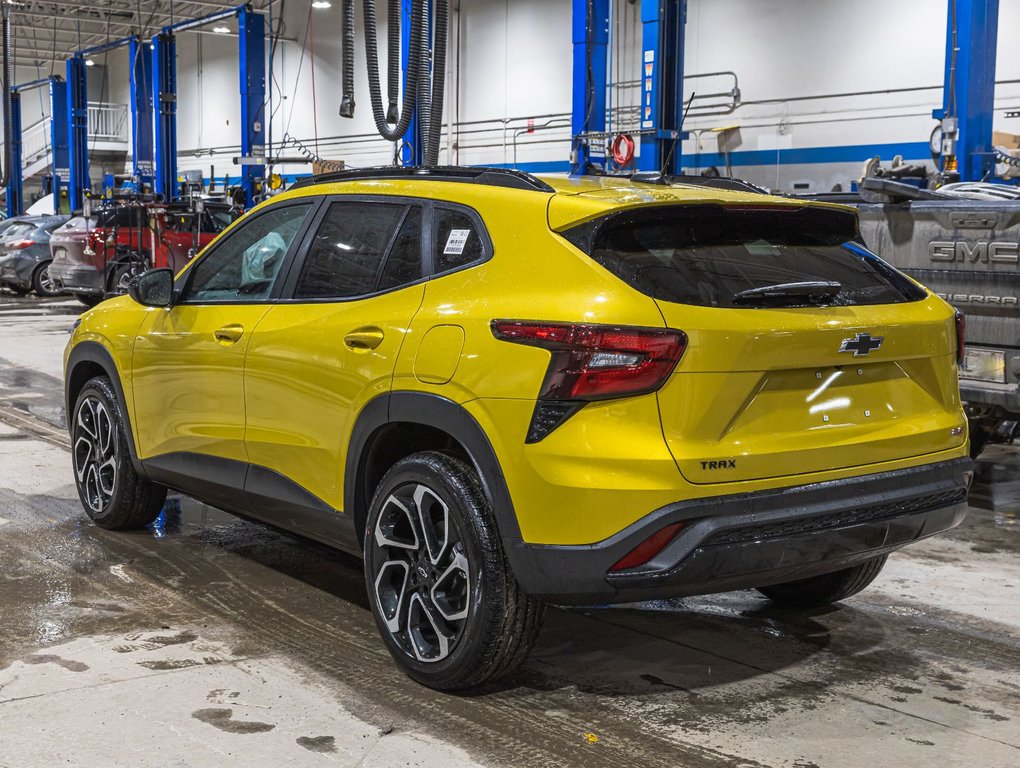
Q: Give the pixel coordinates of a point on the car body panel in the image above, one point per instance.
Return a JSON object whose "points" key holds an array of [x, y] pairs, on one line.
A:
{"points": [[17, 262], [304, 387]]}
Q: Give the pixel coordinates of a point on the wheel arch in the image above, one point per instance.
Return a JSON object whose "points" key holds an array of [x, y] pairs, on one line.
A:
{"points": [[87, 360], [398, 424]]}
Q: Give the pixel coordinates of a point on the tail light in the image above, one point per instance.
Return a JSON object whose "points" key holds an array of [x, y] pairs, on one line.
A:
{"points": [[593, 362], [961, 337], [648, 548], [18, 245]]}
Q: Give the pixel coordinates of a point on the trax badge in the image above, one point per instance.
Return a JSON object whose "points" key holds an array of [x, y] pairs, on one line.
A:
{"points": [[861, 344]]}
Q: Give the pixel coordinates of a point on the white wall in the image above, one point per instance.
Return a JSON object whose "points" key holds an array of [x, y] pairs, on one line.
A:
{"points": [[511, 60]]}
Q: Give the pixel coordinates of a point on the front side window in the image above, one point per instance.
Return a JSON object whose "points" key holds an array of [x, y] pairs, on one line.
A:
{"points": [[362, 248], [244, 266]]}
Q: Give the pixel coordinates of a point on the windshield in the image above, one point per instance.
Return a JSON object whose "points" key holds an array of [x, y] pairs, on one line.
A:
{"points": [[712, 255]]}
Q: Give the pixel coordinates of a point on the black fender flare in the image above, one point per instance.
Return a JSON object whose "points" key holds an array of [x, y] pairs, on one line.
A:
{"points": [[96, 353], [443, 414]]}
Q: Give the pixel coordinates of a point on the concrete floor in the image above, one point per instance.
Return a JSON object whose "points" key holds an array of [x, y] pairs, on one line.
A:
{"points": [[212, 641]]}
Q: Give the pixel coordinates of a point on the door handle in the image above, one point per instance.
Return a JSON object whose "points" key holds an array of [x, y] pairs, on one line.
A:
{"points": [[365, 338], [228, 334]]}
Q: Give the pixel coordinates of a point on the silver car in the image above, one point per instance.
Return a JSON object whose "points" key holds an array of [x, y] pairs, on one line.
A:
{"points": [[25, 254]]}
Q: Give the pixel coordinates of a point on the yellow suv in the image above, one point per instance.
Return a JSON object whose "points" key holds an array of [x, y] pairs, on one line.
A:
{"points": [[505, 391]]}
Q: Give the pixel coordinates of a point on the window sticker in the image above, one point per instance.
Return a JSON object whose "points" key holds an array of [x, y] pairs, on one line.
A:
{"points": [[456, 241]]}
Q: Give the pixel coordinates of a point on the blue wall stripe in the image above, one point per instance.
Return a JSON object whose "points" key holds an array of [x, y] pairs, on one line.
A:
{"points": [[854, 153]]}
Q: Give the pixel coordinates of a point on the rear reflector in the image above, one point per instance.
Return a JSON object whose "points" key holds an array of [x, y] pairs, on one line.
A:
{"points": [[648, 548], [961, 337]]}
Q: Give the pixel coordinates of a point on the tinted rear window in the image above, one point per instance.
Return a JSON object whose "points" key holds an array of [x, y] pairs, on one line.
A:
{"points": [[707, 254]]}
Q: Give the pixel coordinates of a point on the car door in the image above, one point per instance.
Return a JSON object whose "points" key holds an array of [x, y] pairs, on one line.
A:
{"points": [[188, 360], [329, 346]]}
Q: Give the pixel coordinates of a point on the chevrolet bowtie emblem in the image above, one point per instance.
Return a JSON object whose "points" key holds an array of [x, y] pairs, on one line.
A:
{"points": [[861, 344]]}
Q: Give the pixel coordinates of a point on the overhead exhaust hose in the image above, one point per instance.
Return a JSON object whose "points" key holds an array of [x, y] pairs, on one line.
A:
{"points": [[434, 124], [414, 62], [424, 96], [347, 65], [393, 22]]}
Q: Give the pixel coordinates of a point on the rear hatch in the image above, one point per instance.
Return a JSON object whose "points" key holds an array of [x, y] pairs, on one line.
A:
{"points": [[806, 352]]}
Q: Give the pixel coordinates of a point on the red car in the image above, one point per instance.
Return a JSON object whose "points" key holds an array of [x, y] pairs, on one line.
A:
{"points": [[99, 256]]}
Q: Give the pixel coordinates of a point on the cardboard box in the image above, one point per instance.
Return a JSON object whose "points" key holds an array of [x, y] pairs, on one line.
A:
{"points": [[1007, 140]]}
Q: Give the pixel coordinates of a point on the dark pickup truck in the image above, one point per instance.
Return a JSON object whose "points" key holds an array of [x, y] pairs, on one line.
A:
{"points": [[962, 242]]}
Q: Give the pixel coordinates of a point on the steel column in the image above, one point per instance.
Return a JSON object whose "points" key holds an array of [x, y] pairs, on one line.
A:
{"points": [[412, 151], [591, 47], [164, 76], [78, 124], [59, 143], [251, 32], [969, 87], [15, 190], [662, 77], [140, 69]]}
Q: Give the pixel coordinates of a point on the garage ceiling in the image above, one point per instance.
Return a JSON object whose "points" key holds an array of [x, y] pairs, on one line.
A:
{"points": [[46, 32]]}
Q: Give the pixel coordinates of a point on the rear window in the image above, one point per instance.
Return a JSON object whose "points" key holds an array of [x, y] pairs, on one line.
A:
{"points": [[708, 255]]}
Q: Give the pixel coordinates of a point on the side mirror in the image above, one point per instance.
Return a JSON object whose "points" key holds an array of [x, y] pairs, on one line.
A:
{"points": [[154, 288]]}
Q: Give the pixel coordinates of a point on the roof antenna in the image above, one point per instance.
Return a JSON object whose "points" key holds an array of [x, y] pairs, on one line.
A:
{"points": [[679, 133]]}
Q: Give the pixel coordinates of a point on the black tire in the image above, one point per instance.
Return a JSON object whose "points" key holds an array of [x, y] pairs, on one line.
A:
{"points": [[88, 299], [476, 606], [827, 588], [42, 284], [121, 275], [113, 494]]}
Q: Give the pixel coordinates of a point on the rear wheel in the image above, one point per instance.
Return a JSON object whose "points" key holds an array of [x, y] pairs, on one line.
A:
{"points": [[43, 284], [825, 589], [113, 494], [444, 598], [122, 274]]}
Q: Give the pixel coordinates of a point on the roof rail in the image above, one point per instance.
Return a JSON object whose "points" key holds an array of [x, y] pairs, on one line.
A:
{"points": [[716, 182], [496, 177]]}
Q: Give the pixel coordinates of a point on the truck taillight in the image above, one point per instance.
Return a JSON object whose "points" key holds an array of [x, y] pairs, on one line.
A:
{"points": [[593, 362], [961, 336]]}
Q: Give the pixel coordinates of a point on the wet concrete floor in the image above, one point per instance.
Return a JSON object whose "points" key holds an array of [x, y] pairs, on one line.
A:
{"points": [[208, 640]]}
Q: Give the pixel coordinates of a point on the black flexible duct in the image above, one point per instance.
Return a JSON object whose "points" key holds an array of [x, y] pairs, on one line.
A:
{"points": [[424, 97], [347, 65], [414, 62], [7, 75], [393, 67], [435, 121]]}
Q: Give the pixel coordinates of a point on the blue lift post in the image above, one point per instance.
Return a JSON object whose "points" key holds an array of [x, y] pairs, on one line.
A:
{"points": [[15, 191], [164, 76], [251, 32], [969, 86], [78, 126], [58, 143], [662, 77], [412, 151], [591, 47], [140, 69]]}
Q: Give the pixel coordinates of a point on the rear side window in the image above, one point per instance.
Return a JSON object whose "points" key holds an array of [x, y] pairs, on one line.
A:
{"points": [[457, 240], [709, 254], [361, 248]]}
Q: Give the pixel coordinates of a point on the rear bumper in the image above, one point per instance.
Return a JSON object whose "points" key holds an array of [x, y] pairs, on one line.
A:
{"points": [[755, 539], [78, 278], [16, 269]]}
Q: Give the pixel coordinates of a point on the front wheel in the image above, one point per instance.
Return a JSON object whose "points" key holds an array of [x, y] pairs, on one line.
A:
{"points": [[113, 494], [442, 592], [827, 588]]}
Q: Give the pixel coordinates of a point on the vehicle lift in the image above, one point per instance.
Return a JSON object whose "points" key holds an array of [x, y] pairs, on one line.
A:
{"points": [[662, 75], [58, 141], [153, 88]]}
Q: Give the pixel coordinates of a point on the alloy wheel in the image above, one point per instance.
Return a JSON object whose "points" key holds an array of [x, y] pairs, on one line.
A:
{"points": [[47, 285], [95, 453], [422, 578]]}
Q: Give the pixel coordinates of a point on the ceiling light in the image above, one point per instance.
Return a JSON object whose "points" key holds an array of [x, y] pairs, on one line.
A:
{"points": [[89, 63], [321, 4], [221, 30]]}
